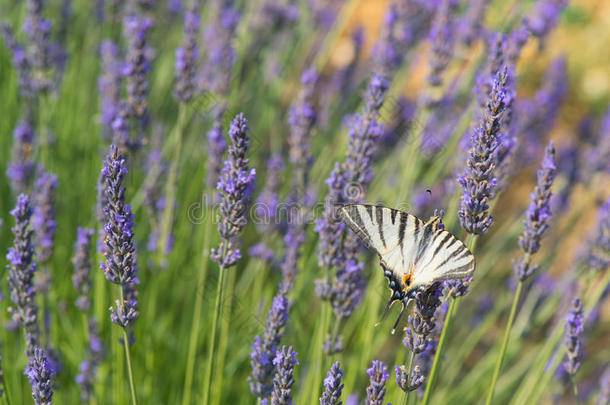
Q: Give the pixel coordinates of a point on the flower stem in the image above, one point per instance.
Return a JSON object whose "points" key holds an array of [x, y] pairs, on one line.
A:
{"points": [[170, 193], [211, 349], [194, 336], [511, 318], [410, 370], [439, 351], [575, 390], [132, 386]]}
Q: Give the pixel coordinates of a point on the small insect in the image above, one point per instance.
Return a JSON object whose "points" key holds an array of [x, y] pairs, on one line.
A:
{"points": [[413, 254]]}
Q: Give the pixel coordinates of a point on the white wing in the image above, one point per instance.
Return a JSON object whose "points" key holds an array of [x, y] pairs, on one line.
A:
{"points": [[392, 234]]}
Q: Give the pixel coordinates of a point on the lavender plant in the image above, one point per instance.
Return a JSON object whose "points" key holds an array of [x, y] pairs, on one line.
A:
{"points": [[284, 361]]}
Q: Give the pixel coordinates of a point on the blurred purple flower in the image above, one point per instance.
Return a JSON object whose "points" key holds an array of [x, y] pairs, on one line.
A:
{"points": [[538, 214], [597, 157], [235, 187], [604, 388], [187, 58], [20, 169], [19, 60], [378, 373], [217, 147], [88, 367], [38, 32], [264, 349], [544, 16], [21, 269], [267, 205], [109, 85], [39, 374], [442, 37], [302, 118], [469, 26], [82, 267], [284, 361], [478, 180], [572, 340], [43, 220], [332, 386], [599, 246]]}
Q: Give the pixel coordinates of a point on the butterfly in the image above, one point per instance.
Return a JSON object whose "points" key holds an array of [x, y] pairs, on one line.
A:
{"points": [[414, 254]]}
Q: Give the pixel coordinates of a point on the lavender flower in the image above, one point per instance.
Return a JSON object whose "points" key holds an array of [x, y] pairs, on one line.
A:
{"points": [[186, 58], [264, 349], [235, 184], [20, 61], [20, 169], [302, 118], [88, 367], [538, 214], [266, 208], [38, 32], [332, 386], [21, 269], [604, 388], [217, 146], [44, 222], [599, 246], [82, 267], [574, 327], [378, 373], [422, 321], [109, 85], [294, 239], [136, 67], [478, 179], [119, 253], [544, 16], [284, 361], [469, 27], [402, 378], [39, 374], [442, 38], [598, 156]]}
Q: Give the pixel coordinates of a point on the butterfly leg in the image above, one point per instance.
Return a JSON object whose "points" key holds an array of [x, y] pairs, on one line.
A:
{"points": [[405, 302]]}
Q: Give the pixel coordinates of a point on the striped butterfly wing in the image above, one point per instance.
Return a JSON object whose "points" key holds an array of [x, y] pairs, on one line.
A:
{"points": [[392, 234], [441, 256]]}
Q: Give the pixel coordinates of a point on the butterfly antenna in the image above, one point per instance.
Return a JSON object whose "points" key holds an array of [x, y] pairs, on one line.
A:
{"points": [[385, 311], [402, 311]]}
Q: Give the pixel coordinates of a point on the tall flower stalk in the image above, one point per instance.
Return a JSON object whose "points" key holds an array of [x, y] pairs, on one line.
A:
{"points": [[536, 223], [235, 188], [478, 182], [120, 266], [574, 328]]}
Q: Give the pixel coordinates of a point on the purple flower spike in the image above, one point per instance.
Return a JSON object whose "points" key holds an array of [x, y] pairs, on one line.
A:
{"points": [[187, 57], [599, 247], [544, 17], [82, 267], [39, 374], [538, 214], [43, 221], [378, 373], [442, 38], [20, 169], [302, 117], [21, 268], [217, 147], [264, 349], [332, 386], [235, 187], [137, 65], [409, 384], [604, 388], [109, 86], [119, 252], [284, 361], [574, 328], [88, 367], [478, 180], [20, 61]]}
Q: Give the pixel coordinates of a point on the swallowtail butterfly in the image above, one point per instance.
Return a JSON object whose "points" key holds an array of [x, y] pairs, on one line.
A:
{"points": [[413, 254]]}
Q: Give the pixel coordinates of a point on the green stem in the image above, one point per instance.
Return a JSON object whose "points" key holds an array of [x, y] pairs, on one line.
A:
{"points": [[409, 371], [132, 386], [509, 324], [7, 397], [168, 211], [439, 351], [575, 390], [194, 336], [211, 349]]}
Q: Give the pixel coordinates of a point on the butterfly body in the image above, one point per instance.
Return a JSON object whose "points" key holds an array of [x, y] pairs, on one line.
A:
{"points": [[413, 254]]}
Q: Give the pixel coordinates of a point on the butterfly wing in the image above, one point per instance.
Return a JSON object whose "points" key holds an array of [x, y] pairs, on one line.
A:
{"points": [[441, 256], [392, 234]]}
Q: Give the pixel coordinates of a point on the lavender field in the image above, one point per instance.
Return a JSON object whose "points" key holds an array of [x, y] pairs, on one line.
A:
{"points": [[172, 173]]}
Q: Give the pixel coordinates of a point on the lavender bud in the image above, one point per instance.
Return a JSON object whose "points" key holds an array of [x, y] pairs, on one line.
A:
{"points": [[186, 58], [82, 267], [123, 314], [235, 187], [378, 373], [109, 86], [137, 64], [43, 220], [604, 388], [574, 327], [442, 38], [544, 16], [478, 179], [332, 386], [20, 169], [599, 246], [39, 374], [302, 118], [20, 61], [21, 269], [264, 349], [266, 207], [284, 361], [217, 147]]}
